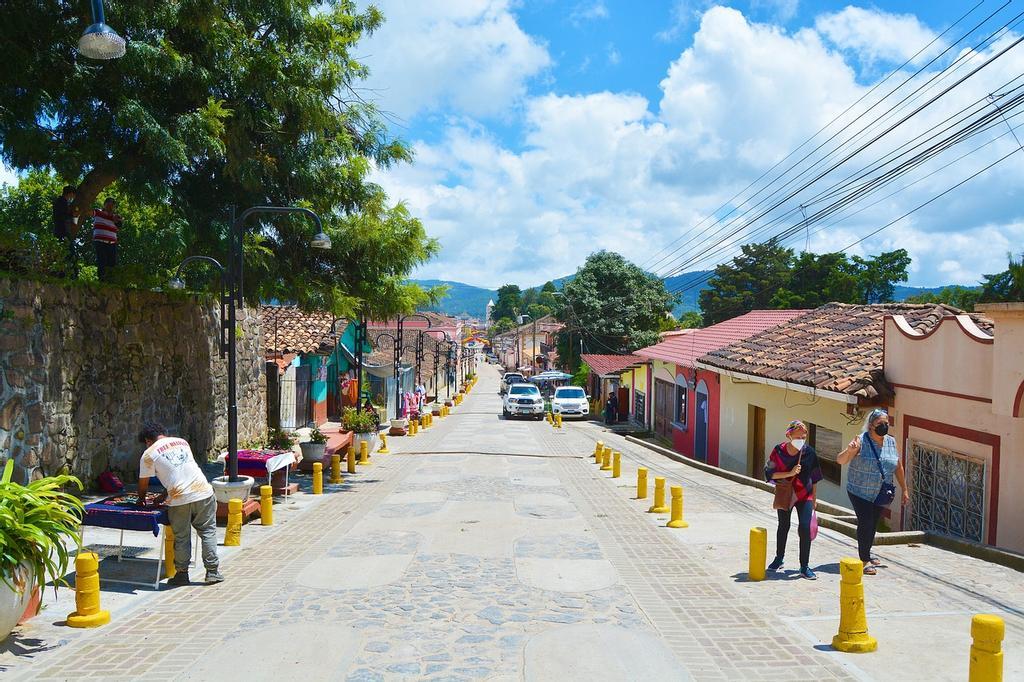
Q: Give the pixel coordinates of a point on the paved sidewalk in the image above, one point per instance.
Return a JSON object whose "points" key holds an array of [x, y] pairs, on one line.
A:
{"points": [[492, 549]]}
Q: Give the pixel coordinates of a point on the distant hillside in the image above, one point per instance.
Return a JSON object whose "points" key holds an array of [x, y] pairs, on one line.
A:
{"points": [[465, 298], [461, 298]]}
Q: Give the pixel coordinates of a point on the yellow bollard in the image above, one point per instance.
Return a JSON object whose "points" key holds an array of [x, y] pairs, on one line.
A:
{"points": [[318, 478], [350, 459], [412, 427], [383, 449], [641, 483], [597, 449], [853, 634], [169, 569], [267, 505], [616, 464], [88, 613], [233, 533], [758, 553], [364, 453], [987, 633], [659, 497], [676, 521], [558, 420], [606, 461], [336, 469]]}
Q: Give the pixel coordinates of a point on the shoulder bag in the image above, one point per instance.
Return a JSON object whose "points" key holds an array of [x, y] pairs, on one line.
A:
{"points": [[785, 496], [887, 493]]}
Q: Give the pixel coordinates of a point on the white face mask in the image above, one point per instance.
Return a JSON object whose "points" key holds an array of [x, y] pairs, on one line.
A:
{"points": [[798, 443]]}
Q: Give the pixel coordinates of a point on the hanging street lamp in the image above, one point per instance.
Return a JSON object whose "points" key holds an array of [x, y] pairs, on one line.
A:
{"points": [[99, 41]]}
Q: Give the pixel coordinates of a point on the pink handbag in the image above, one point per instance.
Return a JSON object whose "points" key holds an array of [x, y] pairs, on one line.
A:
{"points": [[814, 524]]}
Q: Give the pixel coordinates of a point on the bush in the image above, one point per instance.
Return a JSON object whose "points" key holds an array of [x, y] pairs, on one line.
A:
{"points": [[359, 421], [317, 436]]}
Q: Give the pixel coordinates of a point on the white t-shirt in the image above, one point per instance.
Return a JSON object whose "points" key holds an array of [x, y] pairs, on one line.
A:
{"points": [[171, 461]]}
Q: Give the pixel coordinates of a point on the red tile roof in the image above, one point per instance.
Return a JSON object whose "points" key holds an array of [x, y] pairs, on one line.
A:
{"points": [[837, 347], [609, 364], [287, 329], [684, 349]]}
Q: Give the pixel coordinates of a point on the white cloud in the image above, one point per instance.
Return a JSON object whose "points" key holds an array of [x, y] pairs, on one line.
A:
{"points": [[589, 11], [614, 170], [877, 36], [7, 175], [467, 55], [682, 14], [614, 56]]}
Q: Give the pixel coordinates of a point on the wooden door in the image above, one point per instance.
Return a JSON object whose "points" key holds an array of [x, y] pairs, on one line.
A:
{"points": [[663, 393], [700, 438], [757, 442], [623, 404]]}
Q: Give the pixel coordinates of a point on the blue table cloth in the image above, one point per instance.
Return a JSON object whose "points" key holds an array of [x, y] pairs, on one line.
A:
{"points": [[121, 513]]}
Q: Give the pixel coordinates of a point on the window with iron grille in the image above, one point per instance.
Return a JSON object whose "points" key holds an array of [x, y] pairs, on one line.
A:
{"points": [[947, 492], [680, 412]]}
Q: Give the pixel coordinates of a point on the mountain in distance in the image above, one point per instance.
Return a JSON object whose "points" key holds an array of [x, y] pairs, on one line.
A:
{"points": [[466, 298]]}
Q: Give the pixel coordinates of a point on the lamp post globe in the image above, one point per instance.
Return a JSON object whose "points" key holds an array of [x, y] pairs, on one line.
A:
{"points": [[99, 41]]}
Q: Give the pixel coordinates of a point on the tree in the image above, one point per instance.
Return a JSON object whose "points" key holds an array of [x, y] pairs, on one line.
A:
{"points": [[964, 298], [1005, 286], [877, 276], [547, 296], [817, 280], [214, 105], [537, 311], [509, 303], [748, 283], [614, 304]]}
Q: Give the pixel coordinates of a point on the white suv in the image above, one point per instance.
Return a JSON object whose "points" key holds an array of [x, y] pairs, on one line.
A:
{"points": [[570, 401], [523, 400]]}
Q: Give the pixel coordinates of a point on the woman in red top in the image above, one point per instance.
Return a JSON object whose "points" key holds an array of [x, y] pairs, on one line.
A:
{"points": [[796, 460]]}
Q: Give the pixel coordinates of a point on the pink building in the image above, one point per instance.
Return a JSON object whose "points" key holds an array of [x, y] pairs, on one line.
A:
{"points": [[959, 389]]}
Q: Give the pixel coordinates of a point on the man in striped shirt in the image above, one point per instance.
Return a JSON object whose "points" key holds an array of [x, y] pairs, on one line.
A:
{"points": [[105, 225]]}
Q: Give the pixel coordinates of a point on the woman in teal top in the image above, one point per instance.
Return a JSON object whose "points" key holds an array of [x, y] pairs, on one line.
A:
{"points": [[874, 462]]}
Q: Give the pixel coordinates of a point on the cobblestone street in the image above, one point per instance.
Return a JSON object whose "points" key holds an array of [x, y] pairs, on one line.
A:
{"points": [[495, 550]]}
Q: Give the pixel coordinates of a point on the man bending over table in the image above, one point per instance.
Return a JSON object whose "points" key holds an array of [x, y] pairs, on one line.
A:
{"points": [[189, 499]]}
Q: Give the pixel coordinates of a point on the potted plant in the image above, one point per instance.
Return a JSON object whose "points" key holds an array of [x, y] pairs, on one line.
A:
{"points": [[363, 424], [281, 440], [35, 521], [313, 449]]}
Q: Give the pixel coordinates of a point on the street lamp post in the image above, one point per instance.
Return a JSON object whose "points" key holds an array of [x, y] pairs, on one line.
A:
{"points": [[398, 353], [231, 289]]}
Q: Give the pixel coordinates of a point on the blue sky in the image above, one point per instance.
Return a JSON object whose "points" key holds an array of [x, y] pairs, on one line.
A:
{"points": [[547, 129]]}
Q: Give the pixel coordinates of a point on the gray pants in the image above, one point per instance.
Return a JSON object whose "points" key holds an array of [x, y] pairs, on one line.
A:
{"points": [[202, 516]]}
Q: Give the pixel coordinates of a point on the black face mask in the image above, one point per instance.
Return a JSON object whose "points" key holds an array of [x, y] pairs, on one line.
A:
{"points": [[882, 429]]}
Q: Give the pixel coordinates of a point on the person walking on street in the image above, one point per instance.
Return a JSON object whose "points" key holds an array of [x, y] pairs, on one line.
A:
{"points": [[611, 409], [189, 498], [874, 462], [105, 226], [65, 227], [793, 467]]}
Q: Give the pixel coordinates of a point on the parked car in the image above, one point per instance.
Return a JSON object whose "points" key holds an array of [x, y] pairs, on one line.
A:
{"points": [[570, 401], [523, 400], [509, 379]]}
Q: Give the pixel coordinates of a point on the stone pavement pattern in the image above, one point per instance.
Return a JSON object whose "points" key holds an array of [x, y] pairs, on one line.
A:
{"points": [[492, 549]]}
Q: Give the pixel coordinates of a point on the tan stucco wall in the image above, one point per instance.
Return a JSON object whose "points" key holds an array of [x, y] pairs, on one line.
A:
{"points": [[950, 360], [780, 407]]}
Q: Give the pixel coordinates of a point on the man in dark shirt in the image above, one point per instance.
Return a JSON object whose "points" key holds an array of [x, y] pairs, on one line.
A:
{"points": [[65, 227]]}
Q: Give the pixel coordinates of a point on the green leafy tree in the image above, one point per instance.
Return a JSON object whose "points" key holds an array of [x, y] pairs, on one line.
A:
{"points": [[964, 298], [547, 296], [818, 279], [500, 327], [748, 282], [877, 276], [215, 104], [614, 304], [509, 303], [537, 311], [1007, 285]]}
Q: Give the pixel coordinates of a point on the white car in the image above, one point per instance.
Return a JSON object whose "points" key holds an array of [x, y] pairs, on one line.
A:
{"points": [[570, 401], [523, 400]]}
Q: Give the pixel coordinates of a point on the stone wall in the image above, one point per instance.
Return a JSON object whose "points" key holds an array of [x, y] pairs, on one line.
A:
{"points": [[83, 367]]}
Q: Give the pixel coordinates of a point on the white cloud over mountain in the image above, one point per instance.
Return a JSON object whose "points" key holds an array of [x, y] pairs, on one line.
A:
{"points": [[614, 170]]}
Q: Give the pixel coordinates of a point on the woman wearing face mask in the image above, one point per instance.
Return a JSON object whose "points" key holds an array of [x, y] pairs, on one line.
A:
{"points": [[874, 462], [795, 460]]}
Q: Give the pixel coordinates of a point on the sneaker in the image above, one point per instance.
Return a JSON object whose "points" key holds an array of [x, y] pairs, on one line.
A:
{"points": [[180, 578], [807, 573], [775, 565], [214, 577]]}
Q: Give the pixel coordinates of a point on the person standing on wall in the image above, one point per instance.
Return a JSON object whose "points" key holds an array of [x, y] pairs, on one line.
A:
{"points": [[189, 498], [105, 226], [874, 462], [793, 468], [65, 227]]}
